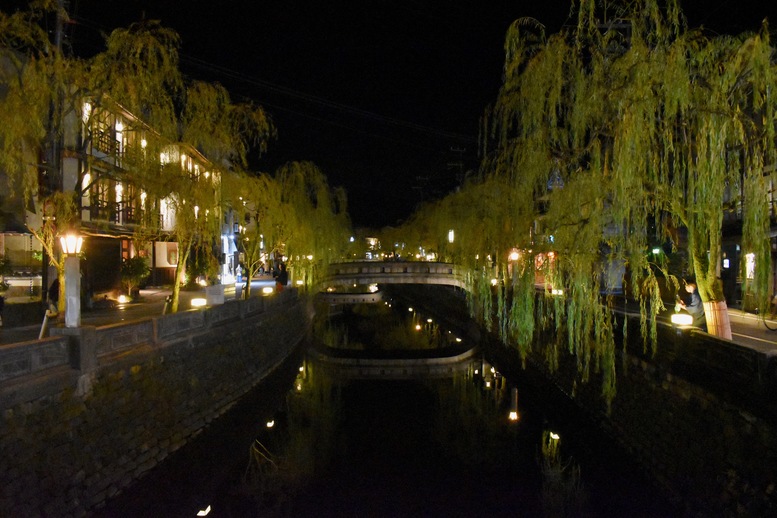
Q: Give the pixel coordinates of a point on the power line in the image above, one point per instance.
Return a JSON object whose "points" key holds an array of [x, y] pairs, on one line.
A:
{"points": [[313, 99], [219, 70]]}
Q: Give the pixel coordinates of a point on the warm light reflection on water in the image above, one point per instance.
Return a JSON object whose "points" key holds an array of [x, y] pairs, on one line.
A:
{"points": [[352, 446]]}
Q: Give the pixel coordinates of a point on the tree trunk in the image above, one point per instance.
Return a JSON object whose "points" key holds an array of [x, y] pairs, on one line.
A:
{"points": [[250, 272], [183, 256], [706, 266], [61, 294], [718, 322]]}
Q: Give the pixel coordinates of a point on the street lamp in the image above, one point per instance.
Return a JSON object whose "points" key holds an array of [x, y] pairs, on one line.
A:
{"points": [[71, 247]]}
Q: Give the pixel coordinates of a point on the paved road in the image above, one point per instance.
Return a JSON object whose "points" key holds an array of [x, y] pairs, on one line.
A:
{"points": [[748, 329]]}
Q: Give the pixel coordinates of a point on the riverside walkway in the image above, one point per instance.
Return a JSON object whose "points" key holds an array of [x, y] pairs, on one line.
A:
{"points": [[151, 303], [747, 329]]}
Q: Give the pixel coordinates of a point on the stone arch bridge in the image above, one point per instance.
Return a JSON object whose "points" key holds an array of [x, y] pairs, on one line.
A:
{"points": [[365, 273]]}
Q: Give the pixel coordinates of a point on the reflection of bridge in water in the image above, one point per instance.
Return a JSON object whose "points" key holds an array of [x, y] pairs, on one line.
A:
{"points": [[355, 365], [351, 364]]}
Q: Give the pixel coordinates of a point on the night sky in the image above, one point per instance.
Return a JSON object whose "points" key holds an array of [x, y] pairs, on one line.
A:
{"points": [[383, 95]]}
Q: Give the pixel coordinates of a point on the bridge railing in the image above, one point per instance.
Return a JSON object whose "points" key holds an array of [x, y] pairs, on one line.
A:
{"points": [[395, 272]]}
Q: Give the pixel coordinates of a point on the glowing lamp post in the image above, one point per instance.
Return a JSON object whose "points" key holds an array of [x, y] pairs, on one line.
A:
{"points": [[71, 247]]}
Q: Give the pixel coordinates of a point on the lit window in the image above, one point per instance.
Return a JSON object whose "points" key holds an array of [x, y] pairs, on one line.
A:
{"points": [[750, 266]]}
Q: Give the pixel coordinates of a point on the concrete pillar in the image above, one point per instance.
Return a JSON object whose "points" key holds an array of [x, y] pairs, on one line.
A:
{"points": [[72, 291], [82, 346]]}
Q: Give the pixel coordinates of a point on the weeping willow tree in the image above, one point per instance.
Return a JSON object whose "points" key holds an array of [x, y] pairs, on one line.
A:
{"points": [[34, 100], [139, 69], [53, 102], [43, 105], [224, 131], [251, 198], [656, 127], [483, 228], [624, 129], [28, 67], [194, 199], [57, 216], [310, 225], [141, 66], [616, 136]]}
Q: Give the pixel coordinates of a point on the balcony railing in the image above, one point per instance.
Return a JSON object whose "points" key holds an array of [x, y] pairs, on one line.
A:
{"points": [[118, 213]]}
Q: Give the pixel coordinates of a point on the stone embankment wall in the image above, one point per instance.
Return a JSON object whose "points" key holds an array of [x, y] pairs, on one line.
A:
{"points": [[699, 416], [83, 420], [694, 417]]}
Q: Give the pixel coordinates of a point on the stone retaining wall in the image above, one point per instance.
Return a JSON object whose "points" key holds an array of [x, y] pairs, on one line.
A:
{"points": [[700, 417], [694, 417], [70, 438]]}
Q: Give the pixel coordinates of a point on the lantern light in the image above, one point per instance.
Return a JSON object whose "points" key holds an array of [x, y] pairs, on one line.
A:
{"points": [[71, 243], [682, 319]]}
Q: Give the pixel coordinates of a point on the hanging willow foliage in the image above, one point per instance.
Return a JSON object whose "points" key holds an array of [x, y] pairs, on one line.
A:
{"points": [[604, 138], [310, 225]]}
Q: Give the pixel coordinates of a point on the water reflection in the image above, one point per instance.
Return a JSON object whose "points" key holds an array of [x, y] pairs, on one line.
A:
{"points": [[300, 444], [383, 327], [429, 446], [562, 489], [393, 440], [373, 427], [411, 443]]}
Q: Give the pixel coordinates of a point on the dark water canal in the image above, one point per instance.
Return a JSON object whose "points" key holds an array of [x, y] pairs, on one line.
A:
{"points": [[318, 441]]}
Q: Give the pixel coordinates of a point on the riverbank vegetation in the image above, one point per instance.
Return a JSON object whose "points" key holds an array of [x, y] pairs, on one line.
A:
{"points": [[124, 134], [623, 131]]}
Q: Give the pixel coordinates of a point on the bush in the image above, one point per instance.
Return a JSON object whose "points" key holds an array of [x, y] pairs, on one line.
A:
{"points": [[133, 272]]}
